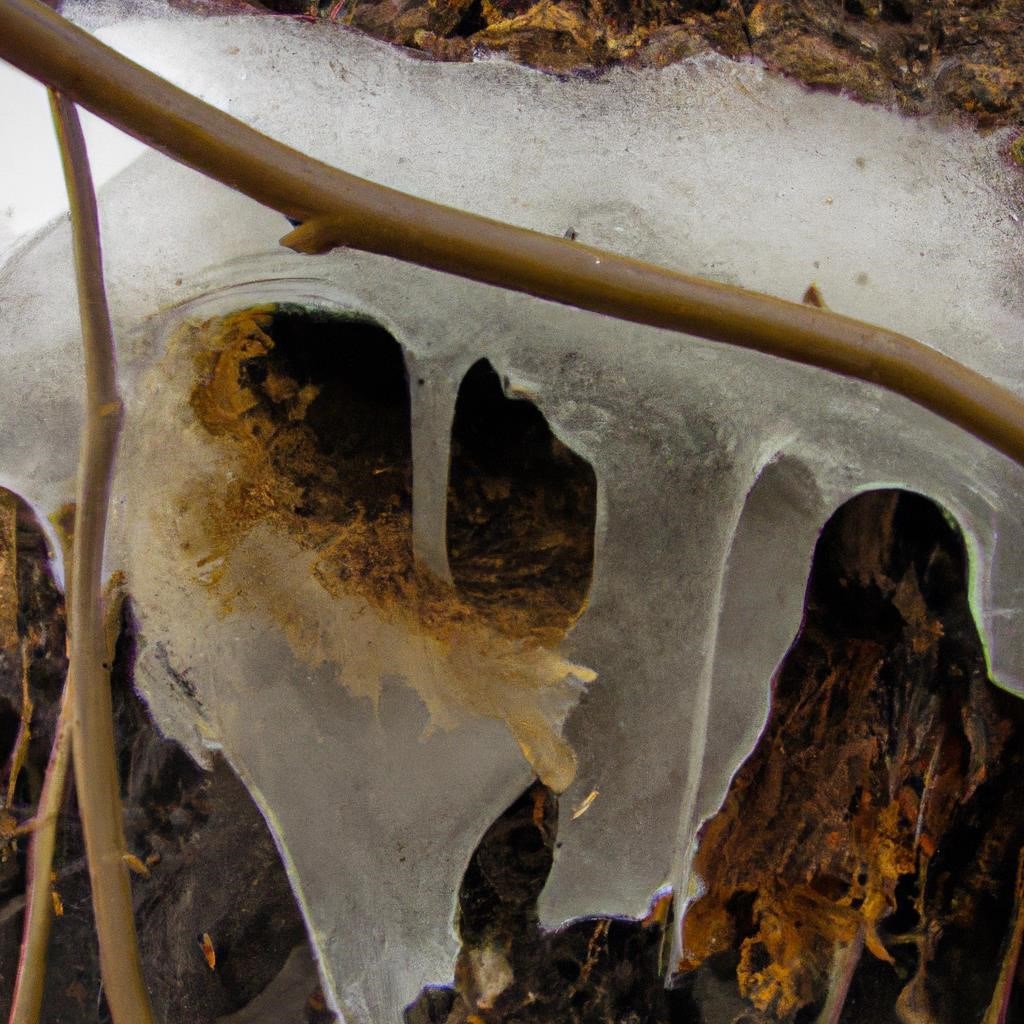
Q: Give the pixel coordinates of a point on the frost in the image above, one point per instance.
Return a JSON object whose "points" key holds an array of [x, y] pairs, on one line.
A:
{"points": [[378, 747]]}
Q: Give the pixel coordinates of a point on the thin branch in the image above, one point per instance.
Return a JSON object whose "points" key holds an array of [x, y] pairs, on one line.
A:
{"points": [[35, 940], [342, 209], [999, 1006], [24, 737], [844, 967], [92, 714]]}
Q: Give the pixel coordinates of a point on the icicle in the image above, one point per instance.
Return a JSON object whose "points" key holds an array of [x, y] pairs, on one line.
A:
{"points": [[432, 392]]}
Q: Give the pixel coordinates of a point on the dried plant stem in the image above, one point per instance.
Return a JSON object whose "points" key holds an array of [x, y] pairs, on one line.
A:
{"points": [[999, 1006], [844, 966], [341, 209], [28, 986], [21, 742], [31, 977], [92, 716]]}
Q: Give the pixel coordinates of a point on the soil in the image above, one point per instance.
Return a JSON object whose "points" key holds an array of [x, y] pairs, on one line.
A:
{"points": [[318, 409]]}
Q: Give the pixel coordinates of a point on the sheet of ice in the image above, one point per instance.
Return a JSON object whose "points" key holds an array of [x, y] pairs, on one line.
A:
{"points": [[31, 182], [715, 467]]}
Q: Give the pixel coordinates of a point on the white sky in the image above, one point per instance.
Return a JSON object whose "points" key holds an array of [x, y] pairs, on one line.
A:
{"points": [[31, 182]]}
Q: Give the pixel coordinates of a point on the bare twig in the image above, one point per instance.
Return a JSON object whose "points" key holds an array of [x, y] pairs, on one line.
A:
{"points": [[92, 715], [844, 967], [999, 1007], [28, 986], [341, 209], [24, 737], [35, 940], [9, 603]]}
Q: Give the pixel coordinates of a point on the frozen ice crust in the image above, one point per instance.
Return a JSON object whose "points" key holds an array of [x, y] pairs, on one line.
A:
{"points": [[380, 744]]}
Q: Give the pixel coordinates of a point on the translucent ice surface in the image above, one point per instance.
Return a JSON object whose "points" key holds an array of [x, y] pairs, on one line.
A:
{"points": [[381, 737]]}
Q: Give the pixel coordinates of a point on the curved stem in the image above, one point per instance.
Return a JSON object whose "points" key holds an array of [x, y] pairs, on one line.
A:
{"points": [[92, 714], [29, 983], [998, 1011], [343, 209], [844, 966]]}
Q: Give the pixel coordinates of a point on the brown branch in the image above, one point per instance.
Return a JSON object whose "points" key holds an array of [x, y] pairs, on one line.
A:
{"points": [[844, 967], [92, 714], [342, 209], [19, 753], [29, 984], [35, 937]]}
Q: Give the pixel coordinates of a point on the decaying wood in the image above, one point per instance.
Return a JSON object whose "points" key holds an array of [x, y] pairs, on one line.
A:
{"points": [[884, 796]]}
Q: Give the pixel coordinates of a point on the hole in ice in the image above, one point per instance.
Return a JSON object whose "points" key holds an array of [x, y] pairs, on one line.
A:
{"points": [[521, 511], [319, 405], [28, 592], [866, 855], [297, 506], [31, 606], [510, 969], [865, 864], [31, 628]]}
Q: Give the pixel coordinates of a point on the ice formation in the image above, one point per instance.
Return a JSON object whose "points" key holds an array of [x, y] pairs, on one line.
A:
{"points": [[380, 749]]}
